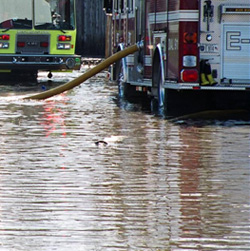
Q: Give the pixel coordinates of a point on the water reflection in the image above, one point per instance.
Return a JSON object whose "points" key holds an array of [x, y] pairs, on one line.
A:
{"points": [[53, 118], [157, 185]]}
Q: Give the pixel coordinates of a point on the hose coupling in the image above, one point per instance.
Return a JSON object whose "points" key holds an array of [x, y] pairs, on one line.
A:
{"points": [[140, 44]]}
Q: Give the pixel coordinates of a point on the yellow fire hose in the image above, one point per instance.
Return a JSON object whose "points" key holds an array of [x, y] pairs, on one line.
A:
{"points": [[77, 81]]}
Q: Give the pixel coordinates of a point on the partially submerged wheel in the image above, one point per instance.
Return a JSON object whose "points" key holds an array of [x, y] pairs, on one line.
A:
{"points": [[158, 92], [120, 79], [161, 89], [125, 90]]}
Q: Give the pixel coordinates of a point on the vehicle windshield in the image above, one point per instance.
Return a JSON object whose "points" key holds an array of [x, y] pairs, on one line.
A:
{"points": [[16, 14], [54, 14], [45, 15]]}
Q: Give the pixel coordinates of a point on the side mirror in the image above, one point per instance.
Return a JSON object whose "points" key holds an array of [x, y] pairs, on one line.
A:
{"points": [[108, 6]]}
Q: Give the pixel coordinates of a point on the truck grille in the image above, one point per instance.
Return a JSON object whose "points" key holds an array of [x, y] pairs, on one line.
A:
{"points": [[32, 44]]}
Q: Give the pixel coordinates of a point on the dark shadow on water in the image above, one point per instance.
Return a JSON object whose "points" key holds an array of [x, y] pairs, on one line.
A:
{"points": [[214, 117], [203, 118]]}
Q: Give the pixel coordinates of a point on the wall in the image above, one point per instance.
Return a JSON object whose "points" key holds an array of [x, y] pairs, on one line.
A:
{"points": [[91, 25]]}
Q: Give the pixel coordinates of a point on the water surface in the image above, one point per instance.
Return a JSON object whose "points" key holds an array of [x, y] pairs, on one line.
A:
{"points": [[157, 185]]}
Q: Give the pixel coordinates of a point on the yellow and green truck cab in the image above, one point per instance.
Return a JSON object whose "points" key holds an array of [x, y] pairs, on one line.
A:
{"points": [[38, 35]]}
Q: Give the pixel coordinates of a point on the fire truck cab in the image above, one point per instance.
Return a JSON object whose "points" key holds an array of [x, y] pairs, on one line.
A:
{"points": [[37, 35], [196, 53]]}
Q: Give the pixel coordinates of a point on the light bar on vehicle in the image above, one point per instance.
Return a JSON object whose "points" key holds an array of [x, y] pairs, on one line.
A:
{"points": [[63, 46], [4, 45], [64, 38], [4, 37]]}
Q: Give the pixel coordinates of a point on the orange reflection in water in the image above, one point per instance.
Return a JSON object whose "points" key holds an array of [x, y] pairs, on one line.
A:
{"points": [[53, 118]]}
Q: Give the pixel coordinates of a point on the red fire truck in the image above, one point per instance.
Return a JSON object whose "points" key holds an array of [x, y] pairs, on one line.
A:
{"points": [[195, 54]]}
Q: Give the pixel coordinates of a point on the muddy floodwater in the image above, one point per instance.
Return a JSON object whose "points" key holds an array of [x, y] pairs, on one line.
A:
{"points": [[85, 171]]}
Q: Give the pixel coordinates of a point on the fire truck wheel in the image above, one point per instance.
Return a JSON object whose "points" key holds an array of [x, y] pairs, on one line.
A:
{"points": [[120, 79], [158, 81]]}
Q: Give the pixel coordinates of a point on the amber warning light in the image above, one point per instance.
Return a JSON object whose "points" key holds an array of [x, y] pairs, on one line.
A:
{"points": [[190, 37]]}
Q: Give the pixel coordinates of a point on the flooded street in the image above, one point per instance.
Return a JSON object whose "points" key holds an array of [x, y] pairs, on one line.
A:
{"points": [[157, 185]]}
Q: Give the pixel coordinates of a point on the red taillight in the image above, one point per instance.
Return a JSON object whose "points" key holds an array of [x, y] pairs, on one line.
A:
{"points": [[5, 37], [20, 44], [63, 38], [44, 44], [190, 49], [189, 75]]}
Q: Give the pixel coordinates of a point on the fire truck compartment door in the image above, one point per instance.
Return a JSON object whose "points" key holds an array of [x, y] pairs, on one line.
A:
{"points": [[236, 51]]}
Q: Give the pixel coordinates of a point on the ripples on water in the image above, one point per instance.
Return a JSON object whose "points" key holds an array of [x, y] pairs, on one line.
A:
{"points": [[157, 185]]}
